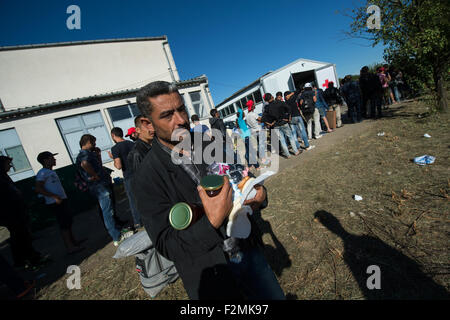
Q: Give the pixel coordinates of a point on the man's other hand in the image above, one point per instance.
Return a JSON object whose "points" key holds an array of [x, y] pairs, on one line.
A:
{"points": [[256, 202]]}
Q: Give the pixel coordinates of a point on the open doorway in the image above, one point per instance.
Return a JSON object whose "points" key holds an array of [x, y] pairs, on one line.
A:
{"points": [[300, 78]]}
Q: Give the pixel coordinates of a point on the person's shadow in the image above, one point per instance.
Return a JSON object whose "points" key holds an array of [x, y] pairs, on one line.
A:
{"points": [[400, 276], [277, 256]]}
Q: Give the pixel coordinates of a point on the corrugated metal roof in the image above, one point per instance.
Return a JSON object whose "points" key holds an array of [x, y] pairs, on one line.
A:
{"points": [[76, 43], [71, 103]]}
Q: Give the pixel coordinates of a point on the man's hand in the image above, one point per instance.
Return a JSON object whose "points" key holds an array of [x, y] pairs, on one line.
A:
{"points": [[256, 202], [110, 154], [219, 207]]}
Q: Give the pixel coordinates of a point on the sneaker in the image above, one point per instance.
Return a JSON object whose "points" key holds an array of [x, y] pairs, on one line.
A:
{"points": [[116, 243], [319, 136], [310, 147]]}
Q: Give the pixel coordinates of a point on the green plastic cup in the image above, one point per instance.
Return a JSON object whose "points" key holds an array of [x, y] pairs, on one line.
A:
{"points": [[180, 216]]}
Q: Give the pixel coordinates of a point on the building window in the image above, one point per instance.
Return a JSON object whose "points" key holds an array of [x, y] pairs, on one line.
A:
{"points": [[11, 146], [197, 104], [185, 105], [258, 97], [232, 109], [238, 104], [123, 116], [72, 128], [243, 102]]}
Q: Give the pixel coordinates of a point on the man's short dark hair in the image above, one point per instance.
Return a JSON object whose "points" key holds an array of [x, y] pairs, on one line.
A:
{"points": [[85, 138], [365, 69], [118, 132], [267, 97], [213, 112], [195, 117], [152, 90], [286, 93], [279, 94], [137, 121], [3, 161]]}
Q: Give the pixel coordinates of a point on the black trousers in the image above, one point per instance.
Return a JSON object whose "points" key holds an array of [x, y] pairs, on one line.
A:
{"points": [[20, 237], [375, 106], [9, 277]]}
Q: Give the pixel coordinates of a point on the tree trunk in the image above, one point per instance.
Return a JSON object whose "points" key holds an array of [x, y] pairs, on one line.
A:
{"points": [[441, 91]]}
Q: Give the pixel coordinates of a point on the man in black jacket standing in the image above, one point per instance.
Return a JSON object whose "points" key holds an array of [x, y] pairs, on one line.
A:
{"points": [[277, 117], [334, 101], [372, 91], [217, 123], [143, 144], [207, 271], [297, 124]]}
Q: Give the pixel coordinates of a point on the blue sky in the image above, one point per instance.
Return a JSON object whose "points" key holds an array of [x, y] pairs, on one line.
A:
{"points": [[232, 42]]}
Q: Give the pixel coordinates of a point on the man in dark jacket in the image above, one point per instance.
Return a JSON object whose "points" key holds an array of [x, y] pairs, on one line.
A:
{"points": [[13, 216], [198, 251], [297, 124], [277, 117], [143, 144], [334, 101], [217, 123], [352, 96], [372, 91]]}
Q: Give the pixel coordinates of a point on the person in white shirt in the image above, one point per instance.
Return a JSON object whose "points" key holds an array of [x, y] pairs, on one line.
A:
{"points": [[49, 186], [254, 123]]}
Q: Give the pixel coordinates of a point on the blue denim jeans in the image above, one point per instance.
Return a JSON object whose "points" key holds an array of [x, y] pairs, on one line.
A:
{"points": [[299, 130], [397, 94], [134, 213], [103, 194], [256, 277], [252, 159], [260, 139], [283, 132]]}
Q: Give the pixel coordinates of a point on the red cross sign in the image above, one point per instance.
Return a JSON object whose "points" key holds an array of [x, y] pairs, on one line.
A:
{"points": [[325, 84]]}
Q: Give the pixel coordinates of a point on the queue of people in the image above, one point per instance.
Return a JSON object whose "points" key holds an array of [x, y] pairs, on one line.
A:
{"points": [[210, 266]]}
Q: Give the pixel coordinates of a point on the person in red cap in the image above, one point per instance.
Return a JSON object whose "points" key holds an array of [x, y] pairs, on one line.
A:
{"points": [[132, 134]]}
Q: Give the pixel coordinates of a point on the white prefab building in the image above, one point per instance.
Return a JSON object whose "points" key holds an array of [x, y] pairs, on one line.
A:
{"points": [[52, 94], [288, 78]]}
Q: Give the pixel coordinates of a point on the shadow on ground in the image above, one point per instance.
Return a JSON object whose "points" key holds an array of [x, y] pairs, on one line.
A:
{"points": [[277, 256], [401, 277]]}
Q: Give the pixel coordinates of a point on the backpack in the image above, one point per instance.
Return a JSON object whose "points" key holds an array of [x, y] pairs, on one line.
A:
{"points": [[332, 96], [308, 106], [155, 271], [79, 182]]}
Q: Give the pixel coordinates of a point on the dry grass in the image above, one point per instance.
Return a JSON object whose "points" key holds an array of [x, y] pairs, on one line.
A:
{"points": [[402, 223]]}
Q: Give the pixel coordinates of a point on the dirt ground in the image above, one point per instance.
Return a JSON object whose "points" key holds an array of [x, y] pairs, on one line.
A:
{"points": [[318, 240]]}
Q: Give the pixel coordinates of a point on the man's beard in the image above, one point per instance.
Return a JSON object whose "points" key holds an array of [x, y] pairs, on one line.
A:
{"points": [[177, 135]]}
